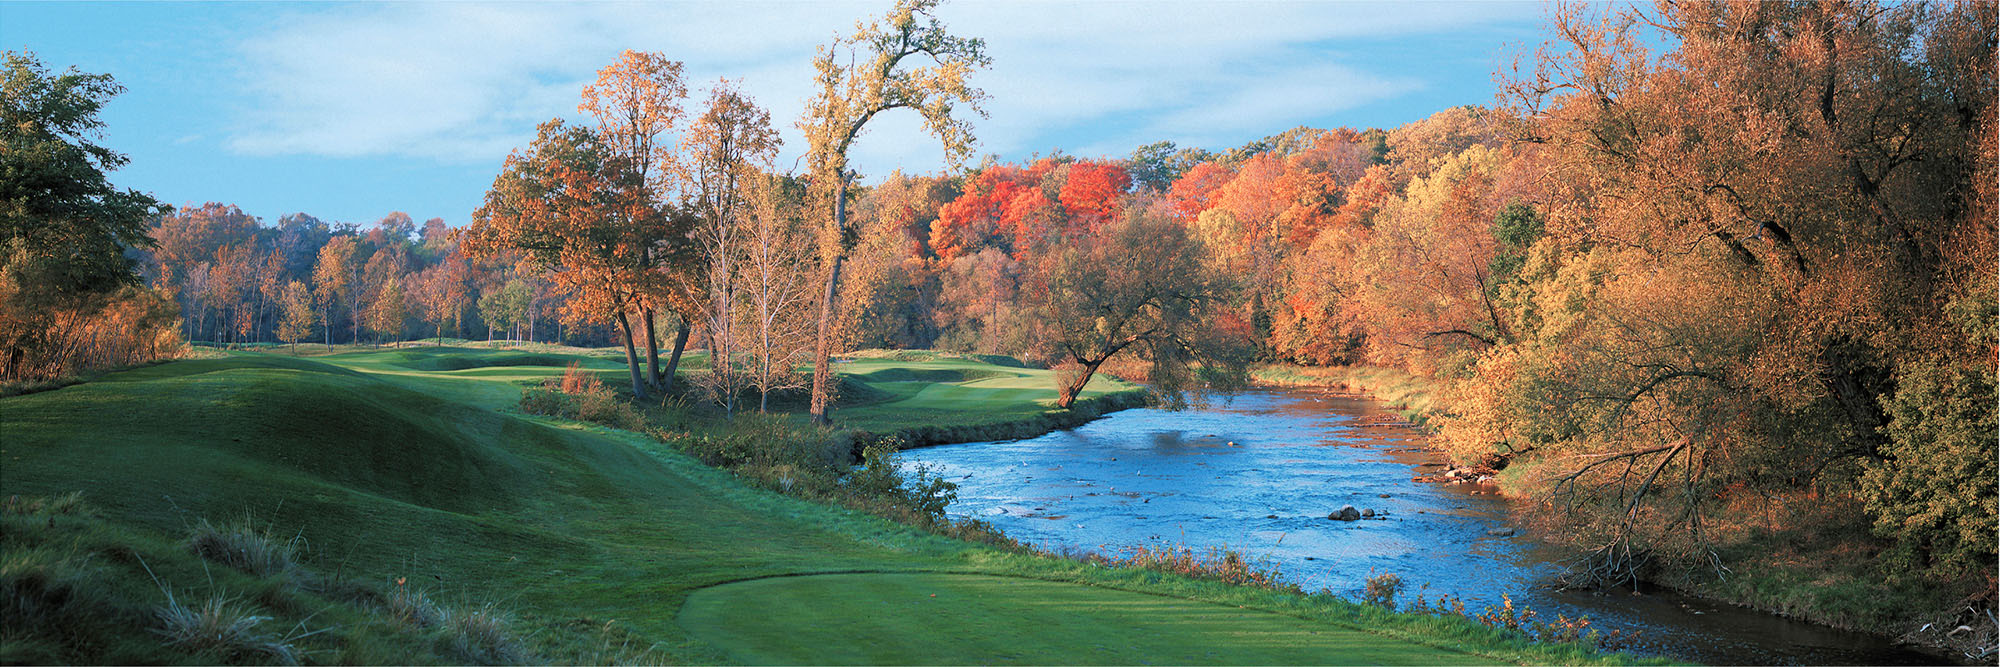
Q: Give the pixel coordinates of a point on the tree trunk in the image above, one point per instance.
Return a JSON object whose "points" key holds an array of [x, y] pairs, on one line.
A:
{"points": [[823, 347], [631, 356], [652, 351], [674, 362], [1074, 387]]}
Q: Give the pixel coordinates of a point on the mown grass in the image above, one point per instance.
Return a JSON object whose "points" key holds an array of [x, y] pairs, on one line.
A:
{"points": [[584, 542]]}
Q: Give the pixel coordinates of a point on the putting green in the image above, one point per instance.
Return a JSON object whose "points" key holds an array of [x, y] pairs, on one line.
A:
{"points": [[957, 619]]}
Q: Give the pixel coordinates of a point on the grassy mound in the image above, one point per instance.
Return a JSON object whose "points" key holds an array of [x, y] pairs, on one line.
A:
{"points": [[269, 427], [460, 358], [863, 619]]}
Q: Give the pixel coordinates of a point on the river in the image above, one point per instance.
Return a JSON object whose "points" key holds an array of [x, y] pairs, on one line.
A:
{"points": [[1257, 472]]}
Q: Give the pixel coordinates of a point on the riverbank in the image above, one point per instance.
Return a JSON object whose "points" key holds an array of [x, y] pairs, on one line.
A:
{"points": [[1806, 558], [1414, 398]]}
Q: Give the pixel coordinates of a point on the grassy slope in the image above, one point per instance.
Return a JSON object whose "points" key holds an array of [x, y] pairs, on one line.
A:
{"points": [[394, 471], [932, 399]]}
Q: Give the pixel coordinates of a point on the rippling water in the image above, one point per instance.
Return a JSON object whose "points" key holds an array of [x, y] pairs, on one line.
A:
{"points": [[1257, 472]]}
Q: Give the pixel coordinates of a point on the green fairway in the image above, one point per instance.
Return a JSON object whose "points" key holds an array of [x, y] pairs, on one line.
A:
{"points": [[860, 619], [414, 464]]}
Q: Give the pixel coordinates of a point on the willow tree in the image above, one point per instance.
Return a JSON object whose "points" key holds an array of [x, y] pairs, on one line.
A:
{"points": [[861, 76], [1142, 286], [635, 101]]}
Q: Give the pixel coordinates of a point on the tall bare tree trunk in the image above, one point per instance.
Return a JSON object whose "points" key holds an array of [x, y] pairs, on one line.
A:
{"points": [[822, 364]]}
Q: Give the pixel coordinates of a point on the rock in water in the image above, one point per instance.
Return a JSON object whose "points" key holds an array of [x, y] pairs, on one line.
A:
{"points": [[1345, 513], [1368, 514], [1501, 532]]}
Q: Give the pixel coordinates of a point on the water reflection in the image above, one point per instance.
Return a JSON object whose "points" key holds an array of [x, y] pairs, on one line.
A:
{"points": [[1259, 473]]}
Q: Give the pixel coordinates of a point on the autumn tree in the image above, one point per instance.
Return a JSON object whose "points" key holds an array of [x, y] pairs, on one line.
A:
{"points": [[1755, 245], [859, 76], [387, 310], [1142, 287], [726, 150], [1427, 285], [551, 203], [63, 228], [777, 247], [297, 314], [635, 101], [334, 279]]}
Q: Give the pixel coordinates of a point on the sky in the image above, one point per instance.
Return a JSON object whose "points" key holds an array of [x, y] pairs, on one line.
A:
{"points": [[349, 111]]}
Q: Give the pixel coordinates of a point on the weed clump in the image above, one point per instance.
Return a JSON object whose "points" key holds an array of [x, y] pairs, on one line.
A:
{"points": [[483, 635], [245, 547], [220, 628], [68, 504], [411, 607]]}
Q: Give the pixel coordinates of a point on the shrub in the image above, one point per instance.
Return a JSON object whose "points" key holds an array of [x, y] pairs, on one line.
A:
{"points": [[245, 547], [1934, 492], [601, 406], [922, 494], [581, 396], [1381, 590], [576, 381], [1218, 564], [546, 401]]}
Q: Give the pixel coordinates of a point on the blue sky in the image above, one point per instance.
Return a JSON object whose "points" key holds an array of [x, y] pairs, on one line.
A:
{"points": [[349, 111]]}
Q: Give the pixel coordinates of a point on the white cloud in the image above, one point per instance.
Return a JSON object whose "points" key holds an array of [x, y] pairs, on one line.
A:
{"points": [[463, 82]]}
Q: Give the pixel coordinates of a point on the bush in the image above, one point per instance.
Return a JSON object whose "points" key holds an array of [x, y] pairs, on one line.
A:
{"points": [[581, 396], [922, 494], [1381, 590], [546, 401], [1933, 492]]}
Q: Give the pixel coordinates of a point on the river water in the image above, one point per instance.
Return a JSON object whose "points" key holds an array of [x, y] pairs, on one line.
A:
{"points": [[1257, 472]]}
